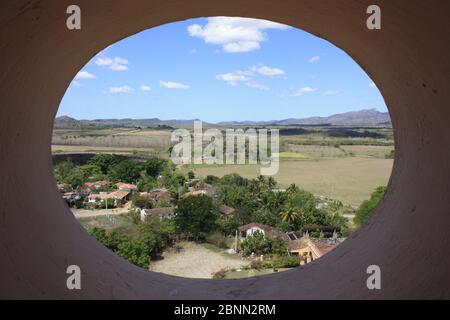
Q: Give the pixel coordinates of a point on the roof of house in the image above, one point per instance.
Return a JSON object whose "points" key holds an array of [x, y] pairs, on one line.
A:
{"points": [[298, 244], [161, 212], [98, 196], [303, 243], [268, 230], [119, 194], [226, 210], [199, 192], [123, 185], [322, 228], [160, 193], [325, 245], [100, 183]]}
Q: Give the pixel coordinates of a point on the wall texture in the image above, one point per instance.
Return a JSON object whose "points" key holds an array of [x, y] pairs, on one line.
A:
{"points": [[408, 236]]}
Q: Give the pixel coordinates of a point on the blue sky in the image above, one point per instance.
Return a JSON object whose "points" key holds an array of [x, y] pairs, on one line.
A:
{"points": [[220, 69]]}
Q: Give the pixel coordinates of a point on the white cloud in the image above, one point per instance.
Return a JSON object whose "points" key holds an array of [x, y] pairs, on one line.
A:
{"points": [[267, 71], [232, 78], [314, 59], [116, 64], [84, 75], [257, 86], [332, 93], [234, 34], [192, 50], [302, 91], [246, 76], [145, 88], [173, 85], [121, 89], [373, 85]]}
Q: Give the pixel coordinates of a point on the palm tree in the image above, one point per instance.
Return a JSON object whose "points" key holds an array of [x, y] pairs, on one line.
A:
{"points": [[290, 215]]}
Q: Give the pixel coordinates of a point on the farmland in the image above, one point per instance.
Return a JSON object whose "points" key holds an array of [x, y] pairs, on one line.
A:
{"points": [[342, 163]]}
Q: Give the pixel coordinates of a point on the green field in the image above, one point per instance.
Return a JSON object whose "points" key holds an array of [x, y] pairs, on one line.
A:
{"points": [[350, 180]]}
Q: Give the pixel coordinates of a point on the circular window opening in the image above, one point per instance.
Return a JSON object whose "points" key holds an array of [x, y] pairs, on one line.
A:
{"points": [[222, 147]]}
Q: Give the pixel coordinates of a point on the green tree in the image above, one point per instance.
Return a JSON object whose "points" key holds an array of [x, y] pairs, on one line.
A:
{"points": [[111, 240], [142, 202], [126, 171], [289, 215], [104, 161], [135, 252], [210, 179], [258, 244], [191, 174], [367, 206], [63, 169], [154, 167], [75, 179], [89, 170], [196, 216]]}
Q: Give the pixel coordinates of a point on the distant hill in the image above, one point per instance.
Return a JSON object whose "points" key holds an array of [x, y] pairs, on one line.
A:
{"points": [[65, 122], [367, 117]]}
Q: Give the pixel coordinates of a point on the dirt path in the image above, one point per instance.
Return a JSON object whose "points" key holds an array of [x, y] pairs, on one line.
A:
{"points": [[195, 261], [84, 213]]}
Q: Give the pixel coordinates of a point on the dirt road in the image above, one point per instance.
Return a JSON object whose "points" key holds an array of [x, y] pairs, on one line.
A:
{"points": [[195, 261]]}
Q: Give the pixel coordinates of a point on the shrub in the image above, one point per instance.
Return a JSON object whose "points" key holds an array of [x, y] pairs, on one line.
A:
{"points": [[284, 262], [366, 208], [219, 274], [217, 239], [258, 244], [256, 264]]}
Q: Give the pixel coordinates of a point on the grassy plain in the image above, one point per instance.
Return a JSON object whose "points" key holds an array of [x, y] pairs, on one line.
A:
{"points": [[350, 180]]}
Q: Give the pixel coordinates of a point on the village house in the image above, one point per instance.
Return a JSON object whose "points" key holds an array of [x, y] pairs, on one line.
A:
{"points": [[226, 211], [299, 244], [119, 196], [161, 213], [267, 231], [310, 249], [71, 197], [126, 186], [158, 194], [199, 192], [96, 184]]}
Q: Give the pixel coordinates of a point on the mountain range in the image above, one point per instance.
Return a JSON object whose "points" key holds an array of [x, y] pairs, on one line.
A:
{"points": [[366, 117]]}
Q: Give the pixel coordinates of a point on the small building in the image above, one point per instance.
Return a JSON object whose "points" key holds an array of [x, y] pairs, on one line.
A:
{"points": [[226, 211], [161, 213], [267, 231], [96, 184], [305, 249], [158, 194], [199, 192], [71, 197], [119, 196], [126, 186]]}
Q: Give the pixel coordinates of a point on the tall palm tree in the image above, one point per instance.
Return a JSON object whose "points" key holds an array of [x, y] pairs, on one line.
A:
{"points": [[290, 215]]}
